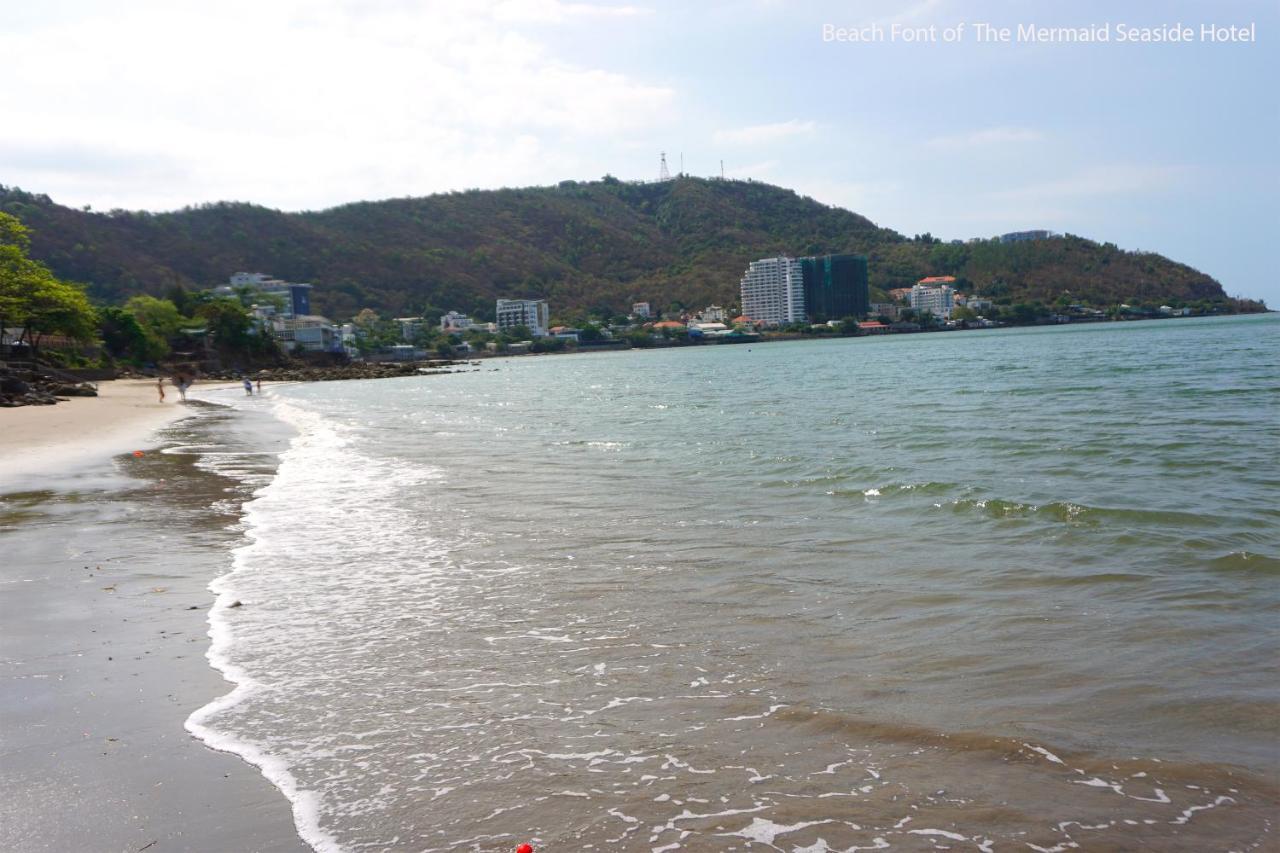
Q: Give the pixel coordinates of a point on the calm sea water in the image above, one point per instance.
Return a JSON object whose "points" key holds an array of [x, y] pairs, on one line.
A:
{"points": [[998, 591]]}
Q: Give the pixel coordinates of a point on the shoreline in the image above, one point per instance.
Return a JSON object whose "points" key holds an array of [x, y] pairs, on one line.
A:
{"points": [[103, 657], [83, 432]]}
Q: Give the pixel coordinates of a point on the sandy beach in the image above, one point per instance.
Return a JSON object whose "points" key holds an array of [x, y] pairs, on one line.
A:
{"points": [[83, 431], [104, 600]]}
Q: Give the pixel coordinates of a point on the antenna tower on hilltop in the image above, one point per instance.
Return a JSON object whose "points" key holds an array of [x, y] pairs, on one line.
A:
{"points": [[664, 174]]}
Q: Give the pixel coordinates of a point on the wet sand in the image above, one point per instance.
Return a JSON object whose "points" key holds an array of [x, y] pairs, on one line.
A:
{"points": [[102, 652]]}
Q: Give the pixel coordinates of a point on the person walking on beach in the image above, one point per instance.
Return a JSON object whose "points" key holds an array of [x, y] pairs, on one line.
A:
{"points": [[248, 387], [181, 382], [259, 386], [160, 387]]}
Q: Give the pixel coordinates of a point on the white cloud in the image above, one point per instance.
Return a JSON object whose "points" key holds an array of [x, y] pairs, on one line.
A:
{"points": [[757, 134], [304, 104], [987, 137]]}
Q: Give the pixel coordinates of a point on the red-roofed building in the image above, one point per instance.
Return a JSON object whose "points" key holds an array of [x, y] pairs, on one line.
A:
{"points": [[938, 279], [873, 327]]}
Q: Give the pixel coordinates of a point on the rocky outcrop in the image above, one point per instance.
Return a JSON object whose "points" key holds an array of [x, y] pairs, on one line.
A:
{"points": [[330, 373], [31, 388]]}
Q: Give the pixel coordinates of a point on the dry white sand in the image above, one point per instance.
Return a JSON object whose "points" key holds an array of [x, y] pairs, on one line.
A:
{"points": [[36, 440]]}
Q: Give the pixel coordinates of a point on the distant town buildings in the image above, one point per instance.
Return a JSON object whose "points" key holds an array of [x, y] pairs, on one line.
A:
{"points": [[640, 309], [782, 290], [1025, 236], [294, 297], [454, 323], [283, 310], [935, 295], [712, 314], [532, 313]]}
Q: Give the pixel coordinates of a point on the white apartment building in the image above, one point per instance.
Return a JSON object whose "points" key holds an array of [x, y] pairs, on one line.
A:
{"points": [[309, 332], [640, 309], [294, 297], [937, 299], [533, 313], [773, 291], [713, 314], [455, 322]]}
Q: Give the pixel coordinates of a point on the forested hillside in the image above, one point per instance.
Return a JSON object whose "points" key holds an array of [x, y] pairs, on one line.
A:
{"points": [[584, 246]]}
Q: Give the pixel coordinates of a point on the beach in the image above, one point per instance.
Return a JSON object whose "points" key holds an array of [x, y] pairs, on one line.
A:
{"points": [[612, 603], [82, 431], [102, 655]]}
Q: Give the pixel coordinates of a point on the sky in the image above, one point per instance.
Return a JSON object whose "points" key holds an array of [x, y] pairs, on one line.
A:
{"points": [[1168, 147]]}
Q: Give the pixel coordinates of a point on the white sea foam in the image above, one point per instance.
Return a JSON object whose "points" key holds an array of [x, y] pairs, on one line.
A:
{"points": [[306, 804]]}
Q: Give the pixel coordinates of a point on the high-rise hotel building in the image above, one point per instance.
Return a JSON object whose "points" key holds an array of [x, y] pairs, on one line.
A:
{"points": [[782, 290], [773, 291]]}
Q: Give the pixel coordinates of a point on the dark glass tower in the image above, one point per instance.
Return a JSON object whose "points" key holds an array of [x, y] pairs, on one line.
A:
{"points": [[835, 286]]}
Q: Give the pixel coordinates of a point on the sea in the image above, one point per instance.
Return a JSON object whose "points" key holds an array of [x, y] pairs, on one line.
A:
{"points": [[997, 590]]}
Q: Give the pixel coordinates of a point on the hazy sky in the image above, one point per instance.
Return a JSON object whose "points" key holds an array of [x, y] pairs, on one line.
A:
{"points": [[1167, 147]]}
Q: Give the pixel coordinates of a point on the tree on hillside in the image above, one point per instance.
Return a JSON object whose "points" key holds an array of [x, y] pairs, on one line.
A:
{"points": [[30, 296], [227, 322], [124, 337], [160, 317], [590, 248], [373, 332]]}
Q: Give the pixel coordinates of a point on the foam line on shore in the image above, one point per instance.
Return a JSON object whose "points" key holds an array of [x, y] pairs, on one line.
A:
{"points": [[305, 804]]}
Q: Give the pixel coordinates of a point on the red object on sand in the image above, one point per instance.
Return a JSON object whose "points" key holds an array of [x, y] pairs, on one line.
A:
{"points": [[525, 848]]}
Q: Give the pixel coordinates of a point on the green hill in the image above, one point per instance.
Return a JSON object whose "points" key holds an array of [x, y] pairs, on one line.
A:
{"points": [[594, 246]]}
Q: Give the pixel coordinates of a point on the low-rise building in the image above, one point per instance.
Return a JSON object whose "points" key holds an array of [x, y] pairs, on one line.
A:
{"points": [[1026, 236], [309, 332], [455, 322], [410, 327], [935, 295], [713, 314], [640, 309]]}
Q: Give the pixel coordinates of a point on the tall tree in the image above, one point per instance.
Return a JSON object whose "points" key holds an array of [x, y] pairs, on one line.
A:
{"points": [[30, 296]]}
